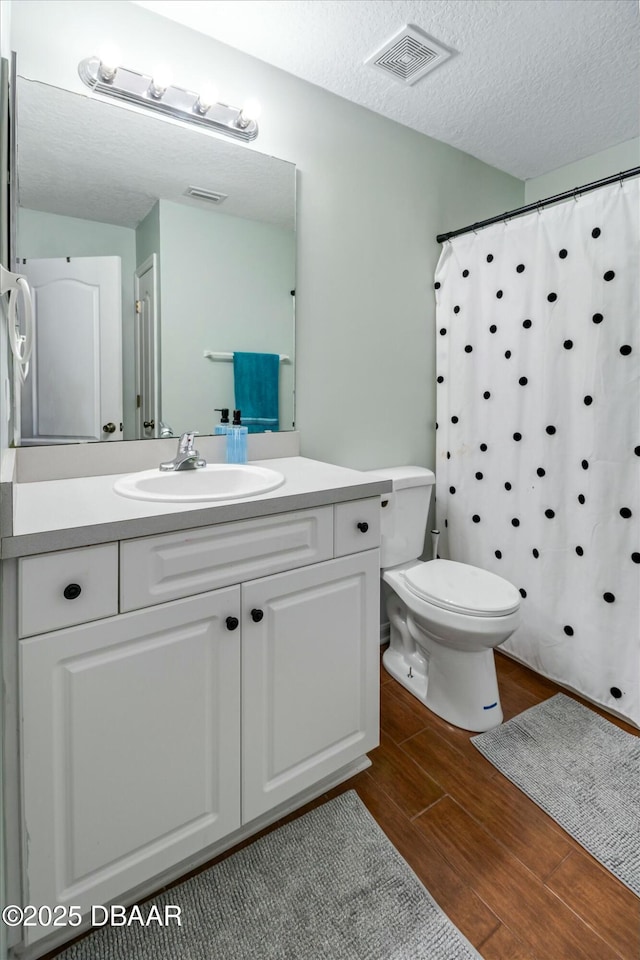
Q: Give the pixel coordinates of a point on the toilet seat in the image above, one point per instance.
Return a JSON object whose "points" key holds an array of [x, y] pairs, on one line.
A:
{"points": [[462, 588]]}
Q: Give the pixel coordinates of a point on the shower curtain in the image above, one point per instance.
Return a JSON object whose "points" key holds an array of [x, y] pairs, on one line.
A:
{"points": [[538, 433]]}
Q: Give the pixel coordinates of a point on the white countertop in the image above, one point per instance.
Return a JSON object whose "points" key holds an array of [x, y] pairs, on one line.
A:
{"points": [[60, 514]]}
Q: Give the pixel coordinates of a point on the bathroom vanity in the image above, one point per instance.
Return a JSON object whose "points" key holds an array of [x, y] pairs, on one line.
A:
{"points": [[183, 674]]}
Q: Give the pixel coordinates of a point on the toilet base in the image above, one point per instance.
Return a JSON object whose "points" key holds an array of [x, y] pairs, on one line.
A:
{"points": [[395, 664], [461, 687]]}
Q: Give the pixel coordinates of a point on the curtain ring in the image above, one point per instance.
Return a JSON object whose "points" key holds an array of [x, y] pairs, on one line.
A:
{"points": [[576, 194], [538, 208], [621, 180]]}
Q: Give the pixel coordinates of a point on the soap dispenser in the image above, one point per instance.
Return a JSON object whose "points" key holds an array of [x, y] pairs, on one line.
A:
{"points": [[237, 440], [222, 428]]}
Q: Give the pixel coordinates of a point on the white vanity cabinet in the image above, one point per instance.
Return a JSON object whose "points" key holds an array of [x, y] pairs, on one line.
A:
{"points": [[310, 653], [153, 734], [130, 747]]}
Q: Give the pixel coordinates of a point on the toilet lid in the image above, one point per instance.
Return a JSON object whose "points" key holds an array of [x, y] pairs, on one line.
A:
{"points": [[462, 588]]}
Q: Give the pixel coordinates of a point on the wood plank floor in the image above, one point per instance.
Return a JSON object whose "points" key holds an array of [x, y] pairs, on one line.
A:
{"points": [[507, 875]]}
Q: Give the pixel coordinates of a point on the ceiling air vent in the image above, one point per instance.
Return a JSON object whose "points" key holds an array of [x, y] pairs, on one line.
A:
{"points": [[409, 55], [199, 193]]}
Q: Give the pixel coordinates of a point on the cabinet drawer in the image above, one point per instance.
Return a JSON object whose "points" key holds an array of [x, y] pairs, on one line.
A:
{"points": [[356, 526], [174, 565], [61, 589]]}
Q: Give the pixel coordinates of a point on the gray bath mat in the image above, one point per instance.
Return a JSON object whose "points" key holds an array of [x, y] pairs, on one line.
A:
{"points": [[327, 886], [583, 771]]}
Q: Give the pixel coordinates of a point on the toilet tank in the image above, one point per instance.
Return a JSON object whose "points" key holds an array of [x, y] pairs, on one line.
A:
{"points": [[403, 520]]}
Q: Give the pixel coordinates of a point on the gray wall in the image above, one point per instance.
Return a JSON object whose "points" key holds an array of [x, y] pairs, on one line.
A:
{"points": [[372, 195], [148, 236], [603, 164], [226, 285]]}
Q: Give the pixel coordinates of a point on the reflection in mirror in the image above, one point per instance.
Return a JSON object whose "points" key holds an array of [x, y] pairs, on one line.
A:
{"points": [[149, 245]]}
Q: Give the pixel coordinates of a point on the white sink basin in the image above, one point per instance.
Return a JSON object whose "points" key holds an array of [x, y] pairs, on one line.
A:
{"points": [[216, 481]]}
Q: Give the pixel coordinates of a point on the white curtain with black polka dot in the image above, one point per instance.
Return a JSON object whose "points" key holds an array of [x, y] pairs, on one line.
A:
{"points": [[538, 440]]}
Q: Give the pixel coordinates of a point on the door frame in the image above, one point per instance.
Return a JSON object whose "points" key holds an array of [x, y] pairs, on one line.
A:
{"points": [[151, 263]]}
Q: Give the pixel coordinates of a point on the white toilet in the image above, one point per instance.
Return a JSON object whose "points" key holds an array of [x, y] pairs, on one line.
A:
{"points": [[445, 617]]}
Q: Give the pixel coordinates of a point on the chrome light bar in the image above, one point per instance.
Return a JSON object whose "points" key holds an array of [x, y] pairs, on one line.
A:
{"points": [[138, 88]]}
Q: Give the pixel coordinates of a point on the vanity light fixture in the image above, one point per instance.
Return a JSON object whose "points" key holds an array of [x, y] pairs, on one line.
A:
{"points": [[158, 93]]}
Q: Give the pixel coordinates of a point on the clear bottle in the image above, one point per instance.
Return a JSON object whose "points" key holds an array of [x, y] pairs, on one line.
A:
{"points": [[222, 428], [237, 440]]}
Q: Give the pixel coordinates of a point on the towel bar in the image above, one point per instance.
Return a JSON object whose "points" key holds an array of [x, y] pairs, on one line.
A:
{"points": [[212, 355]]}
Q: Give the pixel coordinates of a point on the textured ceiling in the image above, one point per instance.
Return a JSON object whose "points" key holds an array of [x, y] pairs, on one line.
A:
{"points": [[534, 84], [81, 157]]}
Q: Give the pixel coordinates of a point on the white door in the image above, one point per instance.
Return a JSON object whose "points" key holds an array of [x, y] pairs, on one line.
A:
{"points": [[310, 675], [74, 388], [130, 747], [146, 348]]}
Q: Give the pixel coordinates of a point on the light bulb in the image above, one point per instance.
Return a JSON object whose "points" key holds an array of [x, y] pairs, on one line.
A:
{"points": [[110, 58], [162, 78], [206, 98], [249, 113], [251, 110]]}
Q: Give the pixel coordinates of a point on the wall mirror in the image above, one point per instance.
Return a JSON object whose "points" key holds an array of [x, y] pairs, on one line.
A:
{"points": [[147, 245]]}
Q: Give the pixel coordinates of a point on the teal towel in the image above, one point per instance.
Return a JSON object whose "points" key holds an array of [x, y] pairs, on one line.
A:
{"points": [[256, 377]]}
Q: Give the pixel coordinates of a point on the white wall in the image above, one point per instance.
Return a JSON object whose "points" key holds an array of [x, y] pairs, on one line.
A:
{"points": [[372, 195], [5, 425], [5, 22], [5, 29], [624, 156]]}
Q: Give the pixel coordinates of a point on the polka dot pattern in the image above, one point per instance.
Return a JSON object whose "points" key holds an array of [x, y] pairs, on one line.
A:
{"points": [[543, 454]]}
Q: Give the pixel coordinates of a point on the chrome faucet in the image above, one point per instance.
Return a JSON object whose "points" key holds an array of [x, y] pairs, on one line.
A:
{"points": [[187, 457]]}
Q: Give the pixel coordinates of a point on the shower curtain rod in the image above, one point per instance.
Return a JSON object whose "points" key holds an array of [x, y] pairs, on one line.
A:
{"points": [[519, 211]]}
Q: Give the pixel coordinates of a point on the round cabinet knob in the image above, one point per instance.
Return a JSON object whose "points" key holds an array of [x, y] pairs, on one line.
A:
{"points": [[149, 424], [72, 591], [109, 427], [232, 623], [362, 527], [257, 615]]}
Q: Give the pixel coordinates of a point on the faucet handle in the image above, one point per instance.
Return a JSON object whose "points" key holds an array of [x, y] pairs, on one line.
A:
{"points": [[185, 444]]}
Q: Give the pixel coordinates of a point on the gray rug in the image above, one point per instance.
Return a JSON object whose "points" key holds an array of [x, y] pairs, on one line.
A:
{"points": [[583, 771], [327, 886]]}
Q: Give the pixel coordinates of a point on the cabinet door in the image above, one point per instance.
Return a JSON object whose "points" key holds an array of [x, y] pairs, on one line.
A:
{"points": [[310, 668], [130, 747]]}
